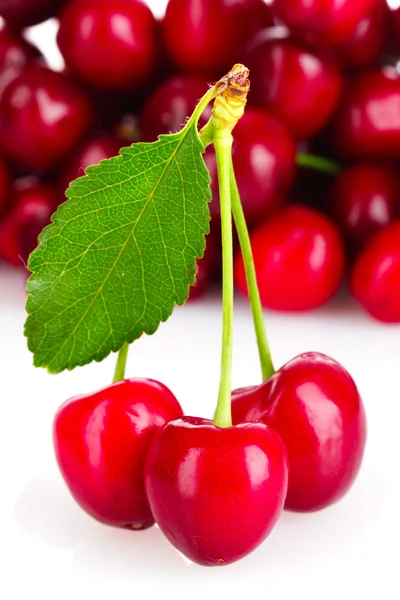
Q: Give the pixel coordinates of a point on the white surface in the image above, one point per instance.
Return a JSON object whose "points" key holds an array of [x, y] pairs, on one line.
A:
{"points": [[50, 549]]}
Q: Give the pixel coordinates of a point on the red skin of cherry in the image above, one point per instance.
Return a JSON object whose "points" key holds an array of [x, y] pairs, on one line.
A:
{"points": [[291, 81], [323, 21], [264, 156], [15, 54], [206, 37], [314, 405], [365, 199], [207, 267], [101, 441], [367, 122], [366, 43], [5, 186], [19, 14], [169, 106], [91, 152], [375, 277], [31, 209], [216, 493], [109, 45], [42, 118], [299, 260]]}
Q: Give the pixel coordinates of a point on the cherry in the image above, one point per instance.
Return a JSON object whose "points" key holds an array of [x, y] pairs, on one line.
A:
{"points": [[168, 107], [264, 157], [110, 45], [366, 43], [15, 54], [326, 21], [24, 13], [365, 198], [367, 123], [94, 150], [5, 186], [42, 117], [292, 82], [314, 405], [207, 267], [33, 203], [205, 36], [375, 277], [216, 493], [101, 442], [299, 260]]}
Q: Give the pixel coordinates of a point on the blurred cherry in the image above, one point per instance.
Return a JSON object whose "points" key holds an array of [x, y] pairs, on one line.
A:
{"points": [[206, 36], [15, 54], [42, 117], [375, 278], [294, 83], [5, 186], [207, 267], [367, 122], [171, 103], [365, 198], [264, 160], [19, 14], [299, 260], [110, 45]]}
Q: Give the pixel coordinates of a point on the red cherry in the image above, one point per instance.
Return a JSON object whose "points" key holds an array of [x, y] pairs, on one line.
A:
{"points": [[264, 157], [42, 117], [15, 54], [110, 45], [24, 13], [91, 152], [314, 405], [206, 267], [205, 36], [375, 278], [366, 43], [367, 123], [326, 21], [168, 107], [32, 206], [216, 493], [299, 260], [5, 186], [365, 198], [292, 82], [101, 441]]}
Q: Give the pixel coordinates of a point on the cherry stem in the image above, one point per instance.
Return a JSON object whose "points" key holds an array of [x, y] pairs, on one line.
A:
{"points": [[318, 163], [119, 373], [223, 149], [267, 367]]}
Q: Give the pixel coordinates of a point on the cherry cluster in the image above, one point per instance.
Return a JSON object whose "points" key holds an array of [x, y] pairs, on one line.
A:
{"points": [[315, 153]]}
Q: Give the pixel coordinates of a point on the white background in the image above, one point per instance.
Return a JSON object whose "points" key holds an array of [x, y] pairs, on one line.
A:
{"points": [[50, 549]]}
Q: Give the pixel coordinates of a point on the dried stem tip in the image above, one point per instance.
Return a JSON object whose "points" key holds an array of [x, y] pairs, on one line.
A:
{"points": [[231, 99]]}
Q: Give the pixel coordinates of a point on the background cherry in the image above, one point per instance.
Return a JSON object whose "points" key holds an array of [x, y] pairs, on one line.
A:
{"points": [[101, 441], [314, 405], [264, 156], [325, 21], [293, 82], [170, 104], [365, 198], [206, 36], [375, 277], [15, 54], [299, 260], [367, 123], [110, 45], [5, 186], [47, 112], [24, 13], [216, 493]]}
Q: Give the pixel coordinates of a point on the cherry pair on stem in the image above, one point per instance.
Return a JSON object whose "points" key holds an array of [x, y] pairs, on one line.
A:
{"points": [[129, 457]]}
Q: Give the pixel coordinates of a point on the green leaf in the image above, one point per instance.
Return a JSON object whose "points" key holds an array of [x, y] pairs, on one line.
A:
{"points": [[120, 253]]}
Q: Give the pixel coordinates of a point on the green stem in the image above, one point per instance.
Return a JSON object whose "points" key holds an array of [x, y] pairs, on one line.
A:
{"points": [[119, 373], [202, 104], [223, 150], [267, 367], [318, 163]]}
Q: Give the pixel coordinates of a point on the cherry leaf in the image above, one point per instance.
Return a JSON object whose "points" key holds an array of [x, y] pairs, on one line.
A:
{"points": [[120, 252]]}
